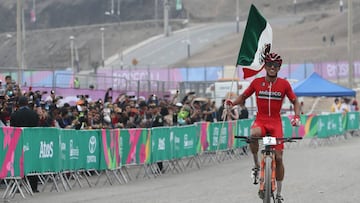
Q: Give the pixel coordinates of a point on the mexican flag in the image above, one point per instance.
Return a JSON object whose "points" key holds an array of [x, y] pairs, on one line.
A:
{"points": [[256, 43]]}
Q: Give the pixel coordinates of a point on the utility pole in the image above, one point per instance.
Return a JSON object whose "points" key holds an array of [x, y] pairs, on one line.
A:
{"points": [[112, 7], [102, 47], [72, 51], [156, 17], [350, 50], [19, 36], [118, 7], [237, 16], [166, 18]]}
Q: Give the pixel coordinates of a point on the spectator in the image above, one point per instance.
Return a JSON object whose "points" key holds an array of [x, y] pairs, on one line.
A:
{"points": [[157, 121], [26, 117], [354, 105], [177, 108], [345, 105], [183, 115], [221, 111], [208, 111], [244, 113], [231, 113], [335, 107], [196, 114], [76, 83]]}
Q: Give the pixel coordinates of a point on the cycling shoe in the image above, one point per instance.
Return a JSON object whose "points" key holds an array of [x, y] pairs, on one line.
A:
{"points": [[279, 199], [255, 175], [261, 194]]}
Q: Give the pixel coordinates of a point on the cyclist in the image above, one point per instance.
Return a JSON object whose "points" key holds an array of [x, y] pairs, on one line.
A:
{"points": [[270, 91]]}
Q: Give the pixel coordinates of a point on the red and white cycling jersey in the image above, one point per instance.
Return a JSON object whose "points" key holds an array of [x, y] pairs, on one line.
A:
{"points": [[269, 99], [270, 96]]}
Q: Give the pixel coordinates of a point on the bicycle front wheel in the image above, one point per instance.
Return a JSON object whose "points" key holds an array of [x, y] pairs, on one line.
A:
{"points": [[267, 179]]}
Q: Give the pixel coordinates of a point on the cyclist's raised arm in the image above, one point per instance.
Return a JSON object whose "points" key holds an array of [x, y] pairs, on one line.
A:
{"points": [[296, 104]]}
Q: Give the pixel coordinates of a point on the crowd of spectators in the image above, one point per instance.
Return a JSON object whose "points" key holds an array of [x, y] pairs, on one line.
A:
{"points": [[344, 105], [122, 112]]}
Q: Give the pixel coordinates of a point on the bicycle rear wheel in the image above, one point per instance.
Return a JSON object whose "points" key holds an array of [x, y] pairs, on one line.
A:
{"points": [[267, 179]]}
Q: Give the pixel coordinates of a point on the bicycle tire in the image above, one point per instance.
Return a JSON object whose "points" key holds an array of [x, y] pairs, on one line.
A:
{"points": [[267, 179]]}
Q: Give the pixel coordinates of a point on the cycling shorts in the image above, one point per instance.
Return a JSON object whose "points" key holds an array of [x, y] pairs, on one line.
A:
{"points": [[270, 126]]}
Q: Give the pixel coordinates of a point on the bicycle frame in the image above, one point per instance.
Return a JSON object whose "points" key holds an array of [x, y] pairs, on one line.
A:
{"points": [[268, 173], [268, 163]]}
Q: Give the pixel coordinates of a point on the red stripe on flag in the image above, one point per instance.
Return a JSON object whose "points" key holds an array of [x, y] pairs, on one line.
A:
{"points": [[249, 72]]}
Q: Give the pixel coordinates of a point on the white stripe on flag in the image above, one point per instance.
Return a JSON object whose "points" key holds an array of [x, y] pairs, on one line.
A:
{"points": [[256, 43]]}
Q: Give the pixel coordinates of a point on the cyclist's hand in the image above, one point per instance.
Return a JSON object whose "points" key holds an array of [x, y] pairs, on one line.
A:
{"points": [[229, 103], [295, 121]]}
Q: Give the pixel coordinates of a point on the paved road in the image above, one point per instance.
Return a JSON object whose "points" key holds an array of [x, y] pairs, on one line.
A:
{"points": [[327, 173], [163, 51]]}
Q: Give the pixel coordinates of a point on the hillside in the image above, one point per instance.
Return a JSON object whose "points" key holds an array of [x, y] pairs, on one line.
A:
{"points": [[48, 45]]}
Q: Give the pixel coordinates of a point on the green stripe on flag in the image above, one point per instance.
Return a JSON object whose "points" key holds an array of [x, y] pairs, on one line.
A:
{"points": [[255, 26]]}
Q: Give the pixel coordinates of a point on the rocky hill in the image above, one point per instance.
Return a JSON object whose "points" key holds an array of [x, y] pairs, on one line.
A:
{"points": [[48, 45]]}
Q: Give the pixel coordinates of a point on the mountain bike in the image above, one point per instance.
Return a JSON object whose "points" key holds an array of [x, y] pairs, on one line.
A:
{"points": [[268, 163]]}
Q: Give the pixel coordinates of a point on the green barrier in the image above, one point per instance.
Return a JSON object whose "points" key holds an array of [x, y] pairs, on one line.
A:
{"points": [[41, 150], [160, 147], [185, 140], [135, 146], [89, 149], [11, 152], [352, 121], [203, 141], [288, 130], [110, 149], [243, 129], [218, 136], [70, 150], [329, 125]]}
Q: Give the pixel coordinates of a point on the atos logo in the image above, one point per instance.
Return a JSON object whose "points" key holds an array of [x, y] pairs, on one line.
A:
{"points": [[92, 144]]}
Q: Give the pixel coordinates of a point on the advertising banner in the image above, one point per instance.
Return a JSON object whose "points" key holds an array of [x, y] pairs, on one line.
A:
{"points": [[329, 125], [203, 142], [89, 149], [41, 150], [110, 149], [243, 129], [351, 121], [161, 147], [70, 149], [135, 146], [185, 139], [218, 136], [11, 152]]}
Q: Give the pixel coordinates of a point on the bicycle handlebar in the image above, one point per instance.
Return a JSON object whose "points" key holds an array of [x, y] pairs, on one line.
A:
{"points": [[282, 139]]}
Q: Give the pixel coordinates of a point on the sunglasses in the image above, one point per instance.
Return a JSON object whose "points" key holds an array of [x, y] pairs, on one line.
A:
{"points": [[269, 64]]}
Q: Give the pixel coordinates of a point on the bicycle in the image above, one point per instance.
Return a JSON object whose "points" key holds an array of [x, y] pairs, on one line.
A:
{"points": [[268, 163]]}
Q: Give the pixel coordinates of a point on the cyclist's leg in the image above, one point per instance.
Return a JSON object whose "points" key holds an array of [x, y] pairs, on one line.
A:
{"points": [[280, 170], [256, 131]]}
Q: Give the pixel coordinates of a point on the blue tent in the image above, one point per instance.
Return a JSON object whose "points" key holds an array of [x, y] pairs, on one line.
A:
{"points": [[315, 85]]}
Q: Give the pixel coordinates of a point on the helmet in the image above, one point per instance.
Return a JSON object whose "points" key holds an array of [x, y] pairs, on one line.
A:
{"points": [[273, 57]]}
